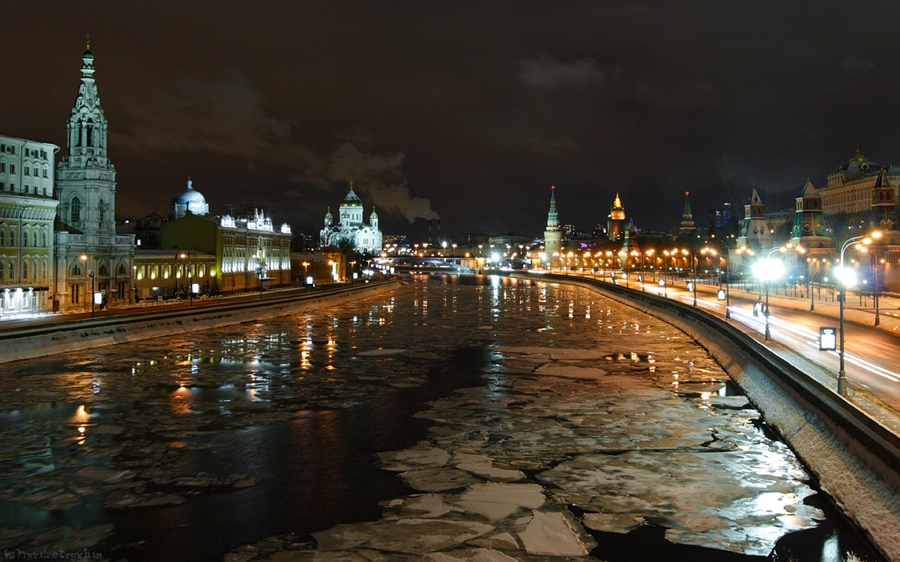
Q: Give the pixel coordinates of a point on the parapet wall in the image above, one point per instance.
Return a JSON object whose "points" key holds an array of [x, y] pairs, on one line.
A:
{"points": [[50, 339], [855, 459]]}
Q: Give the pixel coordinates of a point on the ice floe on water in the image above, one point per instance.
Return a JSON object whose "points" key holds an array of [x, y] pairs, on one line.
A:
{"points": [[565, 441], [599, 421]]}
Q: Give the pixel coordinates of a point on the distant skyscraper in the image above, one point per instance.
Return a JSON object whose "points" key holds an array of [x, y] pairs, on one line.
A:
{"points": [[552, 235], [88, 253], [724, 215]]}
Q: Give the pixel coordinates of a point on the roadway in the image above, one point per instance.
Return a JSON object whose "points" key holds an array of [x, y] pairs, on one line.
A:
{"points": [[872, 354]]}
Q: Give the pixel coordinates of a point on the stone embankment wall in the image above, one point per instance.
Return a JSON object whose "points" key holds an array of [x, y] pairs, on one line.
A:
{"points": [[855, 459], [49, 339]]}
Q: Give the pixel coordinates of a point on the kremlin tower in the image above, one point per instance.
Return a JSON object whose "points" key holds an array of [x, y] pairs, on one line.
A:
{"points": [[552, 235]]}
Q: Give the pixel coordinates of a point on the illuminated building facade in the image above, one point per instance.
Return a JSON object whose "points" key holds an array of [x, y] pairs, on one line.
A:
{"points": [[687, 217], [89, 256], [250, 254], [552, 234], [350, 228], [615, 222], [849, 190], [27, 211]]}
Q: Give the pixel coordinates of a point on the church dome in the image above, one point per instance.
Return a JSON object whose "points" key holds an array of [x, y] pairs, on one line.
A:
{"points": [[352, 200], [190, 200], [188, 196]]}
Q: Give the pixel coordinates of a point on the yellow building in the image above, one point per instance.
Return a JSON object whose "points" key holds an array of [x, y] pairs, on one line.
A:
{"points": [[249, 252], [174, 273], [850, 189], [27, 210]]}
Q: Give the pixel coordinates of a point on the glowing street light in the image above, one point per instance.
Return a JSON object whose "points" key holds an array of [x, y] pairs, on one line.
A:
{"points": [[766, 270], [847, 277]]}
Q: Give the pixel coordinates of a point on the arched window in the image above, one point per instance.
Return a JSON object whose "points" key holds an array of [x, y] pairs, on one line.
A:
{"points": [[12, 271], [76, 210], [44, 239], [76, 270], [24, 239], [24, 271], [2, 237], [121, 270], [2, 263], [12, 238], [103, 269]]}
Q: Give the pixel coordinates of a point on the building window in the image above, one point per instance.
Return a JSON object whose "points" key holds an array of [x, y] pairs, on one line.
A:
{"points": [[2, 263], [27, 171], [36, 172], [3, 167], [45, 173], [12, 168], [24, 239], [25, 271], [76, 210], [44, 239], [2, 238], [76, 270]]}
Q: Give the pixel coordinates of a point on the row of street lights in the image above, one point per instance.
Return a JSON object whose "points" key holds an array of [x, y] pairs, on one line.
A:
{"points": [[771, 269]]}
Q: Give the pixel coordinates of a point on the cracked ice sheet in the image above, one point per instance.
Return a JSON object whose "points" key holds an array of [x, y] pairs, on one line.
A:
{"points": [[705, 472]]}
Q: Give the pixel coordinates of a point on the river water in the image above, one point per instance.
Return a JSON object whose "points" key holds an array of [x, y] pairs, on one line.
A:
{"points": [[479, 416]]}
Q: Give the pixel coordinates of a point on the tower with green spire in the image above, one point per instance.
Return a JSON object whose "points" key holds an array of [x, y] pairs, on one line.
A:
{"points": [[552, 234]]}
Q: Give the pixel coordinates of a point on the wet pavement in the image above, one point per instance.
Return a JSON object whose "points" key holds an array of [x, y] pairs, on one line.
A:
{"points": [[482, 420]]}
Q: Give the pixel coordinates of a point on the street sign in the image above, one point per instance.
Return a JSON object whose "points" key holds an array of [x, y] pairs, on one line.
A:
{"points": [[721, 294], [827, 339]]}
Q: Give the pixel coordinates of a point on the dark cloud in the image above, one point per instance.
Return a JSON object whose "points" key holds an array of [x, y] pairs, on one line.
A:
{"points": [[547, 72], [465, 110]]}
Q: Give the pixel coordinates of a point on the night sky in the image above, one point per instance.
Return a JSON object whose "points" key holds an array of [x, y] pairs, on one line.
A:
{"points": [[464, 110]]}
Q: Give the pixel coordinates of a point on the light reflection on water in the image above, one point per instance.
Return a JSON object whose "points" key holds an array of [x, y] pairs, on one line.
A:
{"points": [[293, 402]]}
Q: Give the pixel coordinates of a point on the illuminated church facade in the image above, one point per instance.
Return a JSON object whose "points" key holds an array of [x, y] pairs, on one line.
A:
{"points": [[350, 228]]}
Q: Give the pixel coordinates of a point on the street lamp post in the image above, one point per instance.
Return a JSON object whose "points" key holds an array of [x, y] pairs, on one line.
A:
{"points": [[848, 279], [694, 276], [90, 273], [190, 274], [767, 270]]}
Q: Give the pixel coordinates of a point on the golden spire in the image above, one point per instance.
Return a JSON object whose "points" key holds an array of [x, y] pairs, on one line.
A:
{"points": [[88, 47]]}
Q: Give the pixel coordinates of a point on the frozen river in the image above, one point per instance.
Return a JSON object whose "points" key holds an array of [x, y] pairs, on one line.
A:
{"points": [[472, 419]]}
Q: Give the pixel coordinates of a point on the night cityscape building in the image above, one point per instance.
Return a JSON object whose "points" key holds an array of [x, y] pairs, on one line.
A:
{"points": [[27, 212], [351, 229], [687, 217], [615, 222], [89, 257], [552, 234], [849, 190]]}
